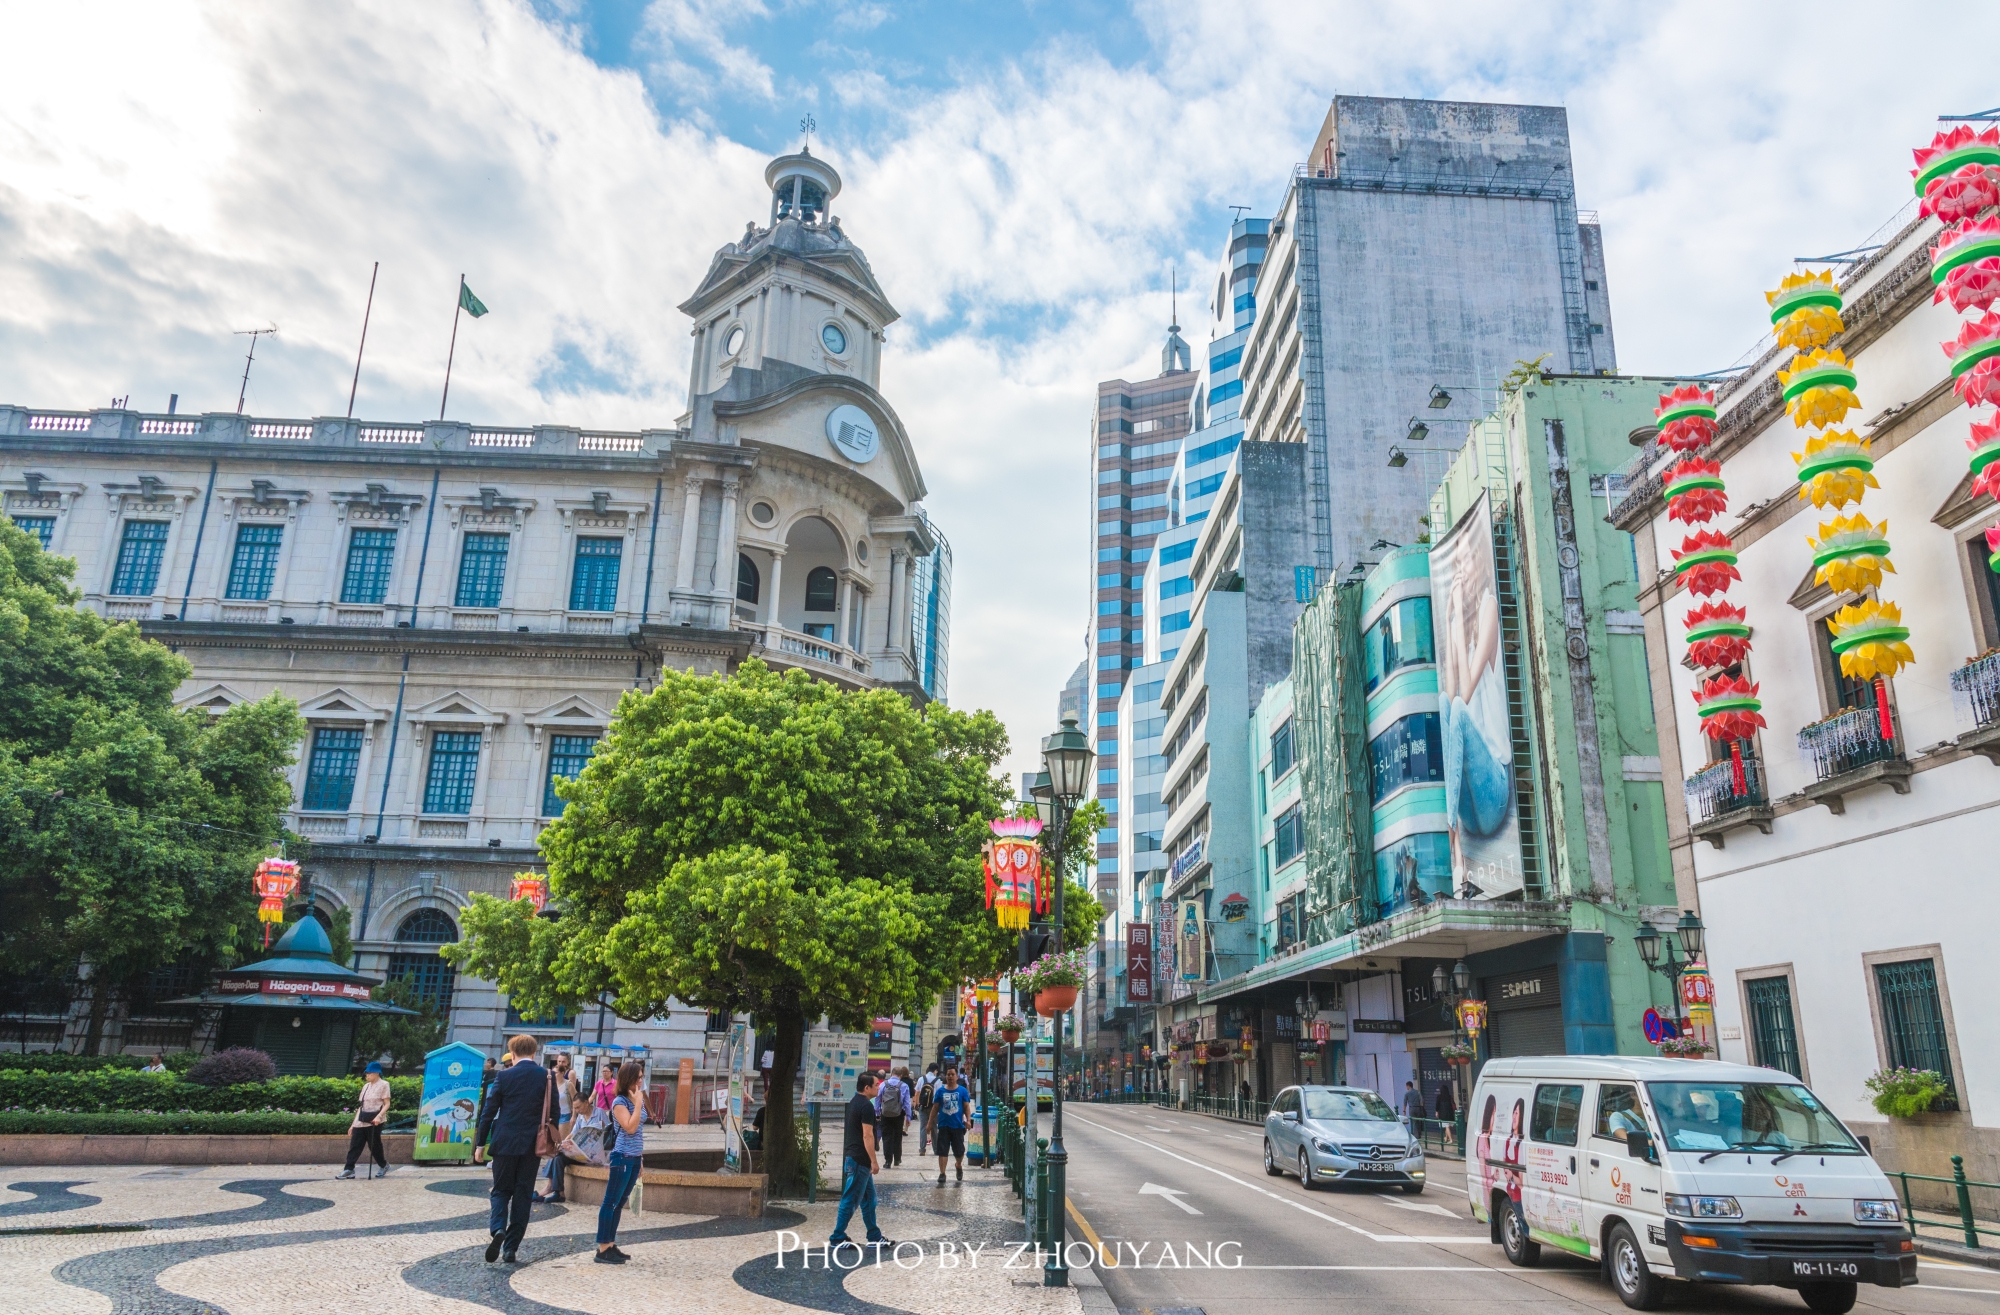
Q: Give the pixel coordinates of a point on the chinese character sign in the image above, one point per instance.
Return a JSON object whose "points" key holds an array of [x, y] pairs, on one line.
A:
{"points": [[1139, 963]]}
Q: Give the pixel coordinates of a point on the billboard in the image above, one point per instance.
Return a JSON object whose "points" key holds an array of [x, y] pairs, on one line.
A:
{"points": [[1189, 928], [1480, 807], [445, 1124], [1139, 963]]}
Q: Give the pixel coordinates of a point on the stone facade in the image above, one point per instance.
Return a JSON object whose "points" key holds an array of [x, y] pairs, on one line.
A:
{"points": [[458, 608]]}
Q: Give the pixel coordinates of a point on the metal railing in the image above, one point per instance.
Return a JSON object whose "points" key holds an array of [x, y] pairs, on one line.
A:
{"points": [[1975, 689], [1962, 1220], [1845, 742], [1712, 792]]}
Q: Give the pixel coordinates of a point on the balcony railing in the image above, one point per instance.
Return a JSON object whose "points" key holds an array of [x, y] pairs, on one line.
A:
{"points": [[1713, 791], [1846, 743], [808, 650], [1975, 689]]}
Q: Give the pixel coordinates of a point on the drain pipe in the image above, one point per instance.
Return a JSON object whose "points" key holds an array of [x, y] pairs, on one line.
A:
{"points": [[423, 558], [200, 528]]}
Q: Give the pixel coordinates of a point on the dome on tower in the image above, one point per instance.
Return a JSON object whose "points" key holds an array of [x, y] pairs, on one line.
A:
{"points": [[802, 187]]}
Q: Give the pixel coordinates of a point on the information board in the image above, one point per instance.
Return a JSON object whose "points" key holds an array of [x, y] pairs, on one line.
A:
{"points": [[450, 1103], [831, 1061]]}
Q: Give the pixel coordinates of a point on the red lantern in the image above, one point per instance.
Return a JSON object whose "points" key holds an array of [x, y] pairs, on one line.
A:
{"points": [[531, 888], [1014, 871], [274, 880]]}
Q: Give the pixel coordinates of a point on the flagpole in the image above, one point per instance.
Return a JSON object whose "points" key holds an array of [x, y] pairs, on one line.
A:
{"points": [[364, 339], [454, 346]]}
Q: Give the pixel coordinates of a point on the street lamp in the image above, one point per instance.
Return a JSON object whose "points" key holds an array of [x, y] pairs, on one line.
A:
{"points": [[1691, 935], [1067, 762]]}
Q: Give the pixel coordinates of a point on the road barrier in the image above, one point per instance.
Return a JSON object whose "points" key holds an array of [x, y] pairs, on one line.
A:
{"points": [[1964, 1222]]}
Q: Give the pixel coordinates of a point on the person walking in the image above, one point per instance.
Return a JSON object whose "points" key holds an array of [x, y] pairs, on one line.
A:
{"points": [[926, 1085], [1447, 1111], [523, 1096], [859, 1165], [892, 1110], [951, 1107], [366, 1130], [628, 1159], [1413, 1106]]}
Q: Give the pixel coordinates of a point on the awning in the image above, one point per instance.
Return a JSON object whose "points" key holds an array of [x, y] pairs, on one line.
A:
{"points": [[1442, 929], [270, 1000]]}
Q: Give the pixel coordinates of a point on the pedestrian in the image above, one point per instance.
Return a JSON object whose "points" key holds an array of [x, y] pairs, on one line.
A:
{"points": [[486, 1077], [628, 1158], [926, 1086], [859, 1165], [951, 1105], [158, 1065], [606, 1090], [522, 1099], [1413, 1106], [568, 1096], [1447, 1111], [369, 1116], [892, 1109]]}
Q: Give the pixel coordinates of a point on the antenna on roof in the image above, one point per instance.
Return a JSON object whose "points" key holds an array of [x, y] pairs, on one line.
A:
{"points": [[255, 334], [1238, 216], [1175, 323]]}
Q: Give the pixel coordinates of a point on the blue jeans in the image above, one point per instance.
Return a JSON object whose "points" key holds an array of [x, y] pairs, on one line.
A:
{"points": [[857, 1190], [624, 1171]]}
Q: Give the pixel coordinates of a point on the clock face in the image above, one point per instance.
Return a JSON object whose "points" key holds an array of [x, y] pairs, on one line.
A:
{"points": [[834, 338], [852, 431]]}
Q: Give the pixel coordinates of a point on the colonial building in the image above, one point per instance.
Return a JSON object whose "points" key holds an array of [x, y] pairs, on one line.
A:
{"points": [[459, 607]]}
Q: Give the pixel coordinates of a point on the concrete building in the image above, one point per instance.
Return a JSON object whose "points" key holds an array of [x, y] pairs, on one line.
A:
{"points": [[1422, 249], [458, 607], [1842, 881]]}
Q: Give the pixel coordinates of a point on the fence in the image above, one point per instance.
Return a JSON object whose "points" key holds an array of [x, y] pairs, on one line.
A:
{"points": [[1961, 1221]]}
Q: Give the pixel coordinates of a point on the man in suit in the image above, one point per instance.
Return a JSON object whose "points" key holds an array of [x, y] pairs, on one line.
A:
{"points": [[507, 1128]]}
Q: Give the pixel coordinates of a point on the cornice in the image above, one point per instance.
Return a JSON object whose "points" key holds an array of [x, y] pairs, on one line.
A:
{"points": [[729, 645], [899, 447]]}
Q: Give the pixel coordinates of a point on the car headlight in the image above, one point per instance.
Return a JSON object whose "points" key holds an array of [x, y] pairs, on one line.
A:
{"points": [[1878, 1212], [1703, 1207], [1327, 1148]]}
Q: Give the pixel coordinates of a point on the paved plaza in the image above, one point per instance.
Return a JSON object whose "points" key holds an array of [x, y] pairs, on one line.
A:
{"points": [[268, 1240]]}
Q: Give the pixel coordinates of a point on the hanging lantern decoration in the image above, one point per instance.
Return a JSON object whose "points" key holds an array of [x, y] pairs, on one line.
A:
{"points": [[274, 880], [1985, 448], [1965, 264], [1958, 174], [1819, 388], [1871, 639], [1698, 993], [1014, 871], [1851, 554], [531, 888], [1993, 548], [1805, 310], [1686, 417], [1835, 469], [1718, 635], [1694, 491], [1975, 360], [1705, 563], [1729, 708]]}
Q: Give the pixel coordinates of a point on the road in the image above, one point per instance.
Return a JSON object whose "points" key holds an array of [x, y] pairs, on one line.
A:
{"points": [[1138, 1175]]}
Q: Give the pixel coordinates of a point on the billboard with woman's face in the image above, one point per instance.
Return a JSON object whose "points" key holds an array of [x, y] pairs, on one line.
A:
{"points": [[1472, 707]]}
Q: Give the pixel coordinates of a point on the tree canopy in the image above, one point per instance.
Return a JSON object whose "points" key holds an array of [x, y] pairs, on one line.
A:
{"points": [[128, 827]]}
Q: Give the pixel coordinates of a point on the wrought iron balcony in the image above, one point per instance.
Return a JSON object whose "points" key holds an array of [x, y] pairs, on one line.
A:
{"points": [[1975, 690], [1847, 751], [1718, 801]]}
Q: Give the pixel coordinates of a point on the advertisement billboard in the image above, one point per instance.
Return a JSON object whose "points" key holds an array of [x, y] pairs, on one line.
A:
{"points": [[1139, 963], [1480, 806], [450, 1103], [1189, 933]]}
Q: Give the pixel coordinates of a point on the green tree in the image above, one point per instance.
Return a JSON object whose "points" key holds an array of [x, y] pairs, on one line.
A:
{"points": [[128, 827], [763, 842], [405, 1038]]}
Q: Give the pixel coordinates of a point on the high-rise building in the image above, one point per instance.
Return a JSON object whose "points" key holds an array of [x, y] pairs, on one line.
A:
{"points": [[930, 620], [1422, 249]]}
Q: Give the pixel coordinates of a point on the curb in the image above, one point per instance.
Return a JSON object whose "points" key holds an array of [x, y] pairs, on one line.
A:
{"points": [[1089, 1286], [1984, 1257]]}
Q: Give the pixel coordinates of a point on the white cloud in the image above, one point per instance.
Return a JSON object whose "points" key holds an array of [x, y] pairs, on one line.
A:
{"points": [[171, 172]]}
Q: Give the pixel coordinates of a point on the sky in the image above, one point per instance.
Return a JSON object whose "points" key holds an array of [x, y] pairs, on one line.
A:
{"points": [[1024, 178]]}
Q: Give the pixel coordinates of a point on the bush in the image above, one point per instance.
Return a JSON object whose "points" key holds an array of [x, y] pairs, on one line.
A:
{"points": [[111, 1090], [58, 1062], [1903, 1093], [182, 1122], [233, 1067]]}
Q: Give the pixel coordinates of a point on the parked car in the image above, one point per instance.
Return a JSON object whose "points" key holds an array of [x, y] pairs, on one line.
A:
{"points": [[1340, 1135], [1681, 1168]]}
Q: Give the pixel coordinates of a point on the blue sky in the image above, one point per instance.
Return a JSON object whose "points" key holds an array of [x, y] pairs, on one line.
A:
{"points": [[1022, 177]]}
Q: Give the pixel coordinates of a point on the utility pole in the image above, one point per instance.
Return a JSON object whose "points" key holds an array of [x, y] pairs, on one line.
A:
{"points": [[254, 335]]}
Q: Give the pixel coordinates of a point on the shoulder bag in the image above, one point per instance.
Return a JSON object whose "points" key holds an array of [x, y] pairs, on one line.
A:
{"points": [[548, 1138]]}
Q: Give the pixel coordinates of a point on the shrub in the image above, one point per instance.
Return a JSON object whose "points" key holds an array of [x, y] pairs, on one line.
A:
{"points": [[180, 1061], [179, 1122], [233, 1067], [58, 1062], [1903, 1093], [119, 1090]]}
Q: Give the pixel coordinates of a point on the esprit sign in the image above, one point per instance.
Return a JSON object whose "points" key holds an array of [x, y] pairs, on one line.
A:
{"points": [[296, 986], [1516, 990]]}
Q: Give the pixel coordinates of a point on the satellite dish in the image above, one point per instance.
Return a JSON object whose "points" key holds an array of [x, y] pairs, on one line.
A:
{"points": [[852, 432]]}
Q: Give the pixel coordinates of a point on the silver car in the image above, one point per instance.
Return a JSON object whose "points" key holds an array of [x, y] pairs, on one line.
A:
{"points": [[1340, 1135]]}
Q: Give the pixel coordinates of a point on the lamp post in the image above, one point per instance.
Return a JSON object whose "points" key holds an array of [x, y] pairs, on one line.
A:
{"points": [[1691, 935], [1067, 759]]}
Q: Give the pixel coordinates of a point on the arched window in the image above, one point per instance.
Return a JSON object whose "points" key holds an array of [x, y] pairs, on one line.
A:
{"points": [[429, 976], [822, 589], [748, 583]]}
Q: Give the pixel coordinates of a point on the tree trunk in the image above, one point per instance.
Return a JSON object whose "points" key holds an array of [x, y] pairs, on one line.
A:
{"points": [[781, 1147], [94, 1032]]}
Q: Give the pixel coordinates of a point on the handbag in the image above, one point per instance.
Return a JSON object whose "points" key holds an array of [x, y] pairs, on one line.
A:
{"points": [[548, 1138]]}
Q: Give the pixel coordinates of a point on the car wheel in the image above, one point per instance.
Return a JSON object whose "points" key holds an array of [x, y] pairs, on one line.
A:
{"points": [[1519, 1248], [1828, 1298], [1413, 1189], [1271, 1165], [1637, 1285], [1306, 1179]]}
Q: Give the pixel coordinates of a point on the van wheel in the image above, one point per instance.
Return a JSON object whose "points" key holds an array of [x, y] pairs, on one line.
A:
{"points": [[1271, 1161], [1638, 1286], [1518, 1247], [1828, 1298]]}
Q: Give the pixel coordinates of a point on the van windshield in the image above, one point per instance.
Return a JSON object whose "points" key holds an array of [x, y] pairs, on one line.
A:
{"points": [[1744, 1116], [1334, 1105]]}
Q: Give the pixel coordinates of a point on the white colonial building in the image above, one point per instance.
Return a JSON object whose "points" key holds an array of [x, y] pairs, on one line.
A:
{"points": [[458, 607]]}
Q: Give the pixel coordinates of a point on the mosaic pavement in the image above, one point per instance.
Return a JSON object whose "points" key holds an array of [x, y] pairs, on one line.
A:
{"points": [[274, 1240]]}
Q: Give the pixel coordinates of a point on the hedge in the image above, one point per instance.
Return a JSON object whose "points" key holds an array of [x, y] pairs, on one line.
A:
{"points": [[185, 1122], [118, 1089], [58, 1062]]}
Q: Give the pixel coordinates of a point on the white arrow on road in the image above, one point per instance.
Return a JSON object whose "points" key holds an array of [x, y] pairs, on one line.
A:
{"points": [[1171, 1193]]}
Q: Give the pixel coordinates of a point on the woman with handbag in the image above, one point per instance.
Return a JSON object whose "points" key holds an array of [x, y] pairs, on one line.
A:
{"points": [[628, 1153], [567, 1097]]}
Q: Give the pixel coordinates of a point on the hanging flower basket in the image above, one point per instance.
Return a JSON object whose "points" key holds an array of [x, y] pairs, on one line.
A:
{"points": [[1221, 1049], [1052, 1000], [1455, 1054], [996, 1047], [1684, 1047], [1054, 980], [1011, 1027]]}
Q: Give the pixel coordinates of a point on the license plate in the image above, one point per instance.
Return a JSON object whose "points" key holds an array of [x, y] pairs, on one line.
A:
{"points": [[1377, 1166], [1825, 1269]]}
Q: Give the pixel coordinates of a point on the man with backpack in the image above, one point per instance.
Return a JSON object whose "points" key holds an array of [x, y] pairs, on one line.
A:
{"points": [[925, 1086]]}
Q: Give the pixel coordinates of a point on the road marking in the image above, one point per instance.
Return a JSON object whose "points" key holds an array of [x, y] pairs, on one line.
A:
{"points": [[1090, 1235], [1932, 1287], [1262, 1191], [1171, 1193], [1424, 1206], [1400, 1269]]}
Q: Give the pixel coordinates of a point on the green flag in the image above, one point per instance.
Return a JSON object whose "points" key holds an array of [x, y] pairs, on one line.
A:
{"points": [[470, 304]]}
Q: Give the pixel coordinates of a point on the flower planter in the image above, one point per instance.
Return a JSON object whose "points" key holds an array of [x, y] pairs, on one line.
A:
{"points": [[1010, 1034], [1052, 1000]]}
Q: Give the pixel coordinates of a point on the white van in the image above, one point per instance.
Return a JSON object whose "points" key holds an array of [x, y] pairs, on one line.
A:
{"points": [[1681, 1168]]}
